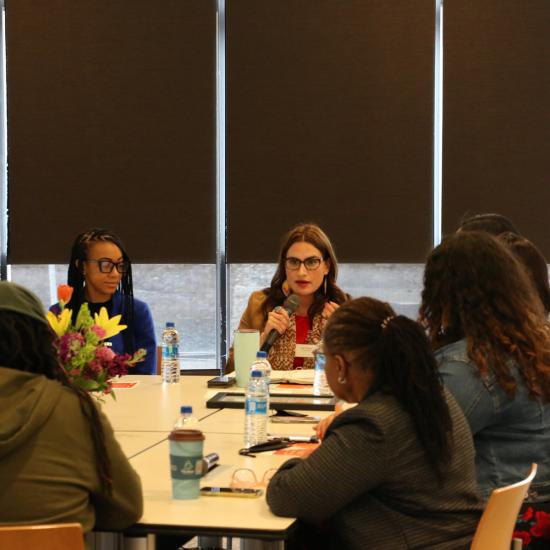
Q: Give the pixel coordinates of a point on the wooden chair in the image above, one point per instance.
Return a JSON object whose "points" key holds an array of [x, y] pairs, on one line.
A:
{"points": [[496, 526], [159, 360], [62, 536]]}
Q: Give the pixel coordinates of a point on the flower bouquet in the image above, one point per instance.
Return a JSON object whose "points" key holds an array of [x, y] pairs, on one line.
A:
{"points": [[533, 528], [88, 362]]}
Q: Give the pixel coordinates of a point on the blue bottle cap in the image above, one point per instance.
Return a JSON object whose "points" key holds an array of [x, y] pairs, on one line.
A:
{"points": [[262, 354], [170, 324], [186, 409], [256, 374]]}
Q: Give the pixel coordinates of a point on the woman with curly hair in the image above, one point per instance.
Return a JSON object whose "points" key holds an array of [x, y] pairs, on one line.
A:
{"points": [[533, 261], [492, 342]]}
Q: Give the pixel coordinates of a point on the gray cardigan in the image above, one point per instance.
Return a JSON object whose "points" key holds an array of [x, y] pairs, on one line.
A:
{"points": [[369, 482]]}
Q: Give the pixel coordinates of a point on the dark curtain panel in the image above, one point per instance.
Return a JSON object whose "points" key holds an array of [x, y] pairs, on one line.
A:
{"points": [[496, 141], [330, 119], [111, 122]]}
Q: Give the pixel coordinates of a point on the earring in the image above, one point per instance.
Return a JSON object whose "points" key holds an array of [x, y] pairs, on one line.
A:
{"points": [[285, 287], [325, 286], [342, 380]]}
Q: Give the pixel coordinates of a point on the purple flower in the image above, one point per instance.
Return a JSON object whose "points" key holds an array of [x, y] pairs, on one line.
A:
{"points": [[69, 345]]}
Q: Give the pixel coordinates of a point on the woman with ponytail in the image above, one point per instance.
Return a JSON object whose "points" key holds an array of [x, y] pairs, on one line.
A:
{"points": [[397, 470], [59, 460]]}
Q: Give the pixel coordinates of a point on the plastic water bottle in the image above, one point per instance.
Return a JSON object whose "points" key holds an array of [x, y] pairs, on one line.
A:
{"points": [[255, 423], [186, 420], [320, 385], [263, 365], [170, 354]]}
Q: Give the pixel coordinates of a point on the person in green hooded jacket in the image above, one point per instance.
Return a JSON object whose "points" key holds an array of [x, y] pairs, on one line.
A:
{"points": [[59, 460]]}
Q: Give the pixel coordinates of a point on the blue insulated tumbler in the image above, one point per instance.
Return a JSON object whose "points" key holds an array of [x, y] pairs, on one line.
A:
{"points": [[186, 465]]}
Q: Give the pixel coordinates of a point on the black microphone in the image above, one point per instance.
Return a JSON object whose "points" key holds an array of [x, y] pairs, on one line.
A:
{"points": [[290, 305]]}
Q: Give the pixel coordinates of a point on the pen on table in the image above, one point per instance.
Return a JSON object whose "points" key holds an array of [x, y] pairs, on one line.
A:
{"points": [[296, 438]]}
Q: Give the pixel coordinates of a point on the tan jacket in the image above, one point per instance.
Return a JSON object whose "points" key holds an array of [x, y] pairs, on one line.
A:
{"points": [[47, 460], [281, 354]]}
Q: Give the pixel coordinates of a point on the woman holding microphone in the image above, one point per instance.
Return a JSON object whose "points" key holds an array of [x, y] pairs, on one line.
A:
{"points": [[306, 277]]}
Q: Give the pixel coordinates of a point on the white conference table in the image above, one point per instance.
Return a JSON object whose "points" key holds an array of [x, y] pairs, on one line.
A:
{"points": [[134, 443], [219, 516], [152, 405], [231, 421], [142, 417]]}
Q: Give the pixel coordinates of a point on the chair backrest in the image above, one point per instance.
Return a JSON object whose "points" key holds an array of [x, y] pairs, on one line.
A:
{"points": [[159, 360], [65, 536], [495, 528]]}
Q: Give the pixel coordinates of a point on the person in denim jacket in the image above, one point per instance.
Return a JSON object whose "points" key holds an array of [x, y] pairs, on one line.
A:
{"points": [[492, 338]]}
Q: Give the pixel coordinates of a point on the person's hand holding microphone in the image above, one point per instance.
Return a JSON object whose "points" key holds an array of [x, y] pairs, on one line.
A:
{"points": [[278, 320]]}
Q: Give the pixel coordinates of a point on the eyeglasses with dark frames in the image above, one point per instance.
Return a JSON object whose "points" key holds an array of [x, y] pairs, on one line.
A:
{"points": [[107, 266], [311, 264]]}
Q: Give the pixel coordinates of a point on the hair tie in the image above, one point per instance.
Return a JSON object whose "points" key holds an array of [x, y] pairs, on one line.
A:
{"points": [[384, 324]]}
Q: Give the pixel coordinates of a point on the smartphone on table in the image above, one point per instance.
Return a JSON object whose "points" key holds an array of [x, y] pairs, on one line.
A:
{"points": [[221, 382]]}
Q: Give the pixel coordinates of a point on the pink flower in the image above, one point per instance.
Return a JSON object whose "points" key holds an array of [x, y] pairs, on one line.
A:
{"points": [[104, 353], [99, 331], [94, 367]]}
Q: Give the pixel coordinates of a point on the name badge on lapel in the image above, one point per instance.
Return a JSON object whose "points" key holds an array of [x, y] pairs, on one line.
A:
{"points": [[305, 350]]}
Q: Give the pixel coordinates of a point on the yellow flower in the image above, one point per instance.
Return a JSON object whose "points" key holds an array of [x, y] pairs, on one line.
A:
{"points": [[110, 326], [60, 323]]}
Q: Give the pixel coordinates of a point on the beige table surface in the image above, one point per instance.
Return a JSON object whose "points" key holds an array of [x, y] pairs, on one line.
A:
{"points": [[154, 406], [143, 416], [207, 515], [231, 421], [133, 443]]}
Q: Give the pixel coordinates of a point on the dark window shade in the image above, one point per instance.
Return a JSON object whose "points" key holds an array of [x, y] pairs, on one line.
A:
{"points": [[330, 119], [111, 122], [496, 140]]}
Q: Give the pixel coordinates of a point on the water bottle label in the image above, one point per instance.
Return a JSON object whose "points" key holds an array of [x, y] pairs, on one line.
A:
{"points": [[186, 467], [256, 406], [170, 351]]}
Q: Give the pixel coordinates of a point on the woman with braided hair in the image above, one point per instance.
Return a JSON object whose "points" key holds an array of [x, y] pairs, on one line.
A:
{"points": [[100, 272], [59, 460], [492, 342], [397, 470]]}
